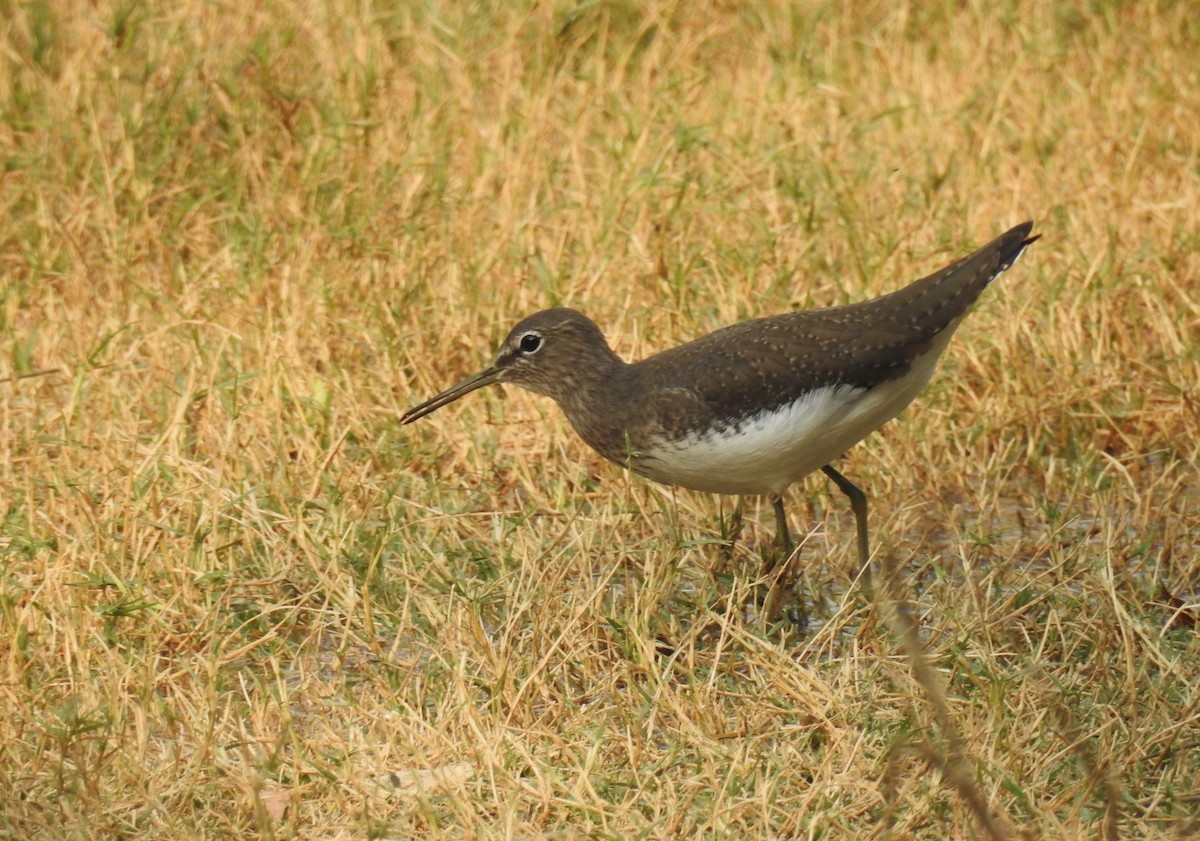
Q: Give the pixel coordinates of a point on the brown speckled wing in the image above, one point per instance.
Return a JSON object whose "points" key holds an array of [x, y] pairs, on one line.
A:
{"points": [[771, 361]]}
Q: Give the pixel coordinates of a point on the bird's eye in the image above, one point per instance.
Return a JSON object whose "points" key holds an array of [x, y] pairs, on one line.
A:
{"points": [[530, 343]]}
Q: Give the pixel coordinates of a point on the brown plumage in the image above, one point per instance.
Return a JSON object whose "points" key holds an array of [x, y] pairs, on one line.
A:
{"points": [[755, 406]]}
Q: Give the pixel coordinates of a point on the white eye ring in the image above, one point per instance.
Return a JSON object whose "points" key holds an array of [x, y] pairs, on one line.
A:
{"points": [[530, 343]]}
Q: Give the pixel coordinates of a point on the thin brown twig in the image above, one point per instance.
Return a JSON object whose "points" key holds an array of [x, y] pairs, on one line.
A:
{"points": [[955, 764], [43, 372]]}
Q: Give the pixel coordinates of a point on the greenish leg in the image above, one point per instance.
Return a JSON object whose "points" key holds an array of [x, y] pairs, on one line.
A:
{"points": [[775, 568], [732, 533], [783, 537], [858, 502]]}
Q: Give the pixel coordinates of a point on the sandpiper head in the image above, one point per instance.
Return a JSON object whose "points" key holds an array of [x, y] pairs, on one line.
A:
{"points": [[545, 353]]}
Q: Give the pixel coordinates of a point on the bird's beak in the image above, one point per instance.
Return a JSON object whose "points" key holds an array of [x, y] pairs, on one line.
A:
{"points": [[476, 381]]}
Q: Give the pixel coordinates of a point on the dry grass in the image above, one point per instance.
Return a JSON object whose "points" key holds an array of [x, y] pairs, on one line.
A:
{"points": [[239, 600]]}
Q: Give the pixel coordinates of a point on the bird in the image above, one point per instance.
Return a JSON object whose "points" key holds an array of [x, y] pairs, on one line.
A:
{"points": [[752, 408]]}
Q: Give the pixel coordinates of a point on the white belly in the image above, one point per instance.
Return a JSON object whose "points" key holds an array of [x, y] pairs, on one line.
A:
{"points": [[772, 450]]}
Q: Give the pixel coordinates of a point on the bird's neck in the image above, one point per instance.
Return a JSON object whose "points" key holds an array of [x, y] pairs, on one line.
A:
{"points": [[594, 397]]}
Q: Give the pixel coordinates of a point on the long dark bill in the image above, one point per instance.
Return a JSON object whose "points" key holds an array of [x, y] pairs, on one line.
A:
{"points": [[471, 383]]}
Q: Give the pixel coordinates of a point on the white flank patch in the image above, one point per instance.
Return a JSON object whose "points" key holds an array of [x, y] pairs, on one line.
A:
{"points": [[775, 449]]}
